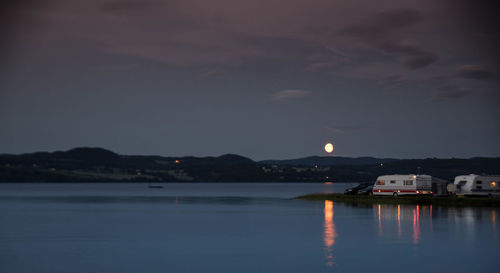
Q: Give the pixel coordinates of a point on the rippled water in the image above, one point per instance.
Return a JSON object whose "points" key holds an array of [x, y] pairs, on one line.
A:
{"points": [[233, 228]]}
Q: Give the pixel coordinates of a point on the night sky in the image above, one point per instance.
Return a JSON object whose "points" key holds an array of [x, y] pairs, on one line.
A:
{"points": [[267, 79]]}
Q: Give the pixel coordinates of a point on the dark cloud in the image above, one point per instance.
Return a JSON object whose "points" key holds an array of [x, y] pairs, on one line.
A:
{"points": [[393, 81], [22, 12], [380, 26], [383, 31], [279, 47], [321, 66], [21, 18], [346, 129], [450, 92], [335, 130], [26, 4], [289, 94], [129, 8], [398, 18], [474, 72], [479, 23], [214, 72], [410, 55]]}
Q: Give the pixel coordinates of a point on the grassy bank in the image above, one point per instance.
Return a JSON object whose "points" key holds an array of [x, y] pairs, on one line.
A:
{"points": [[412, 200]]}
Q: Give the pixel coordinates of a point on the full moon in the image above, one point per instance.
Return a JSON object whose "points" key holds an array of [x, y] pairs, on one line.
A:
{"points": [[329, 147]]}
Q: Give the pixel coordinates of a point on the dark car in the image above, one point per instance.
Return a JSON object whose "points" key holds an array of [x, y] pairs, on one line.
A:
{"points": [[367, 190], [355, 190]]}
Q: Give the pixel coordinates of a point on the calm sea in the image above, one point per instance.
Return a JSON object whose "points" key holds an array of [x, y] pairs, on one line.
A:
{"points": [[233, 228]]}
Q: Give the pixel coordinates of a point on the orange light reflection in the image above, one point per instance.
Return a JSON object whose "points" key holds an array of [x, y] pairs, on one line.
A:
{"points": [[379, 222], [330, 232], [494, 223], [416, 226], [399, 221], [430, 212], [418, 215]]}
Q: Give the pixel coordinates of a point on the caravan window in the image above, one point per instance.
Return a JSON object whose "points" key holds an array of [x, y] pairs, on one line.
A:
{"points": [[408, 182], [380, 182], [479, 182], [393, 182]]}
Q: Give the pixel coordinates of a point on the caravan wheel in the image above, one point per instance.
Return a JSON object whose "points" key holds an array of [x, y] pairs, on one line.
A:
{"points": [[395, 194]]}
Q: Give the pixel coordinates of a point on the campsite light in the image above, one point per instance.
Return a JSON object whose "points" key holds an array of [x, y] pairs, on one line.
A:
{"points": [[432, 192], [379, 190], [417, 192], [399, 191], [493, 184]]}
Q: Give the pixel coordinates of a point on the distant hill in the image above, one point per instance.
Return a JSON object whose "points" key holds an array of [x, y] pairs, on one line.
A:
{"points": [[329, 161], [99, 165]]}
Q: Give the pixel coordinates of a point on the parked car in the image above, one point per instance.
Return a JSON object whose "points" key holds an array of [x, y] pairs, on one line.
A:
{"points": [[367, 190], [354, 190]]}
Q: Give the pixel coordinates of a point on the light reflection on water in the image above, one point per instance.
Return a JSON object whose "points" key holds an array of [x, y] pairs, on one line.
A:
{"points": [[413, 222], [399, 221], [493, 219], [416, 225], [388, 215], [463, 219], [494, 223], [379, 221], [330, 232]]}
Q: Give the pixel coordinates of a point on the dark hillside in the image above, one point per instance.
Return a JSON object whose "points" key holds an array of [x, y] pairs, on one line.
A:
{"points": [[100, 165]]}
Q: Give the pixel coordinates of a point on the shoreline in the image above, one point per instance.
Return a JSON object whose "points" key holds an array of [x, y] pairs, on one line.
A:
{"points": [[408, 200]]}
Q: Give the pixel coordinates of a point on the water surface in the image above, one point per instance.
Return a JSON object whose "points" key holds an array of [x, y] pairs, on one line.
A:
{"points": [[233, 228]]}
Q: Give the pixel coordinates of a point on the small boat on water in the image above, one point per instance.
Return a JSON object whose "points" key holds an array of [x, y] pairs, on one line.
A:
{"points": [[153, 186]]}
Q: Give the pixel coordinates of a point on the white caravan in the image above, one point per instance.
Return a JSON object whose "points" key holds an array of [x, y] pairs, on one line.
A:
{"points": [[474, 184], [403, 184]]}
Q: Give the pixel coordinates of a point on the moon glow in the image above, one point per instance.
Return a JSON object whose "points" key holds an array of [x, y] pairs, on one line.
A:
{"points": [[329, 148]]}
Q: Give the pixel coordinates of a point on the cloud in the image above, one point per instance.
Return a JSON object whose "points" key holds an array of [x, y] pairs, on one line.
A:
{"points": [[21, 17], [473, 72], [450, 92], [383, 32], [346, 129], [380, 26], [130, 7], [289, 94], [321, 66], [410, 55], [214, 72], [324, 61], [339, 39], [393, 81], [336, 51], [334, 130], [398, 18]]}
